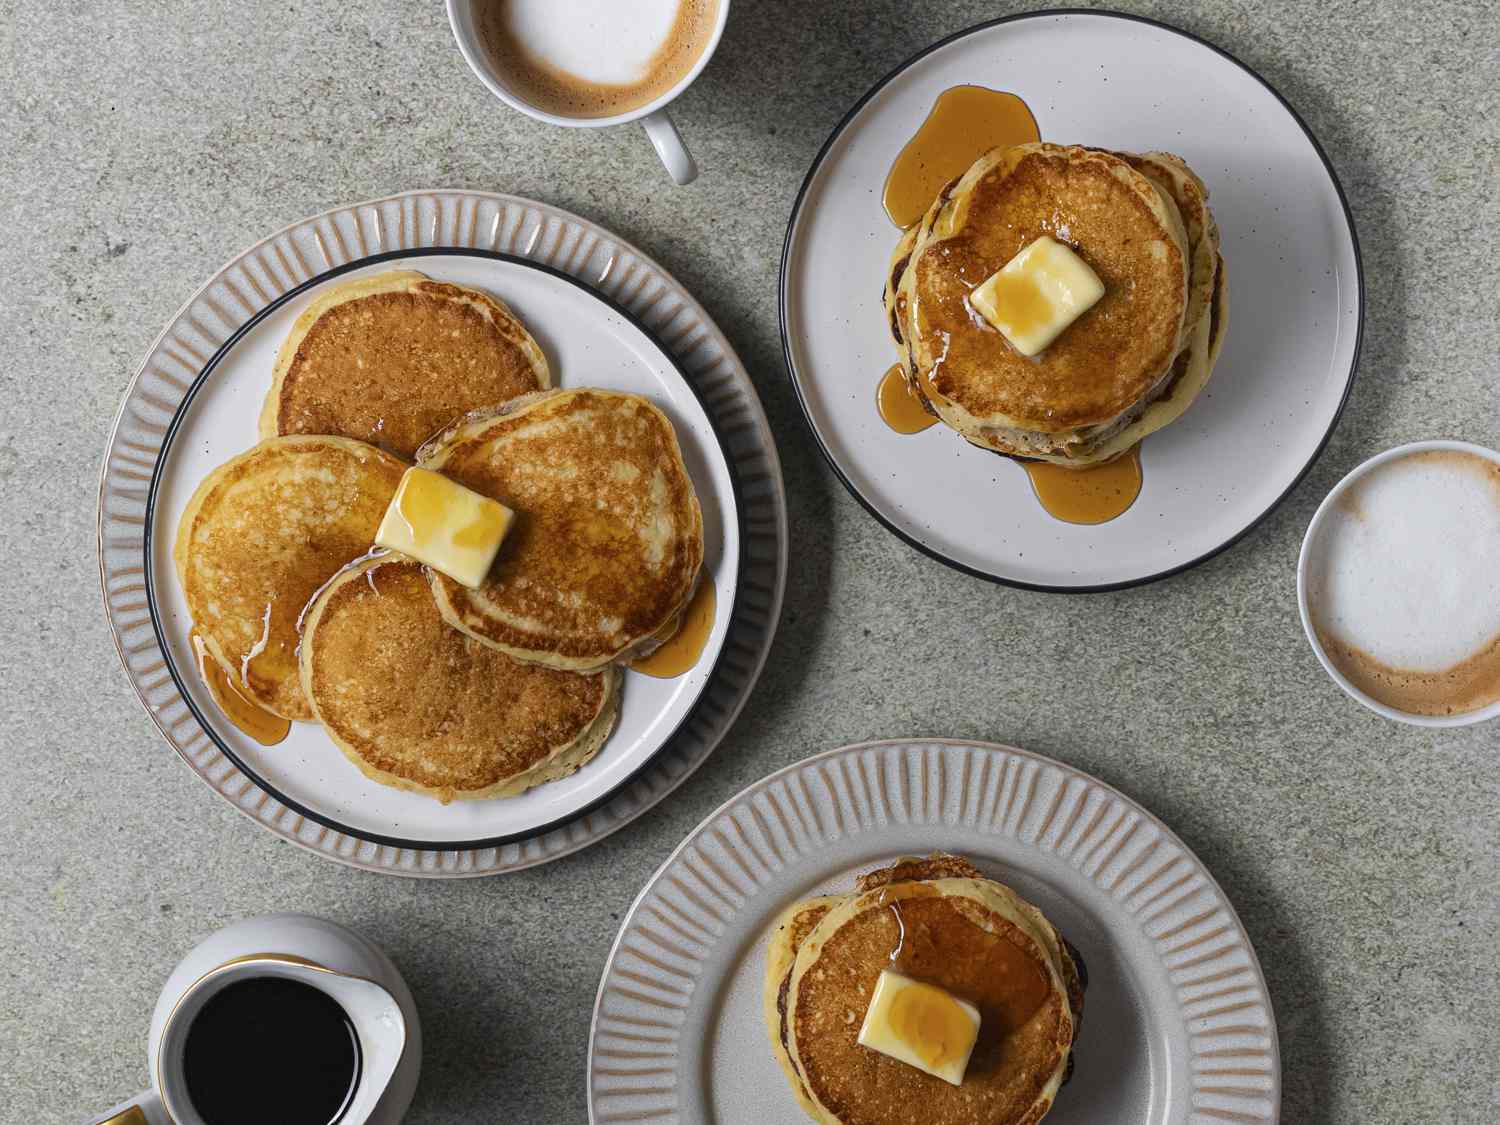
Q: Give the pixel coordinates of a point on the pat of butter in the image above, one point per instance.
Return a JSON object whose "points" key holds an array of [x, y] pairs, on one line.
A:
{"points": [[445, 525], [921, 1025], [1037, 294]]}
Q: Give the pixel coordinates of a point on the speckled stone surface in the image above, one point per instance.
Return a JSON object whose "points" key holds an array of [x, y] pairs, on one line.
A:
{"points": [[146, 143]]}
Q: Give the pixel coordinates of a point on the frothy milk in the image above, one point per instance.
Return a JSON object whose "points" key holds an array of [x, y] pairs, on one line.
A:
{"points": [[1404, 588], [594, 58]]}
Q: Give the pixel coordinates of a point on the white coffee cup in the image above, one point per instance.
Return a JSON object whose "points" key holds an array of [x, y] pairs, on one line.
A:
{"points": [[331, 958], [1312, 554], [653, 117]]}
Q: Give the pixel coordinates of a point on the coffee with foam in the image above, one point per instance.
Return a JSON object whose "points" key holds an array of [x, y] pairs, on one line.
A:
{"points": [[594, 58], [1404, 589]]}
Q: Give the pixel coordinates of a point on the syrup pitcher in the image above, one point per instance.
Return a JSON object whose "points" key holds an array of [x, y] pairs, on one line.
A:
{"points": [[285, 1018]]}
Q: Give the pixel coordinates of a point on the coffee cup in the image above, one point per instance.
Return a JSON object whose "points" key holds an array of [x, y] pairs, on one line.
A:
{"points": [[592, 63], [323, 995], [1395, 584]]}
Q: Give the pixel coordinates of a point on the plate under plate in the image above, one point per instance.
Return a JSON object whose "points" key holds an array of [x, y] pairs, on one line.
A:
{"points": [[607, 316]]}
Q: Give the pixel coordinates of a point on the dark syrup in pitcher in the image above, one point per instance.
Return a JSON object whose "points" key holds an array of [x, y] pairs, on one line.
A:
{"points": [[271, 1049]]}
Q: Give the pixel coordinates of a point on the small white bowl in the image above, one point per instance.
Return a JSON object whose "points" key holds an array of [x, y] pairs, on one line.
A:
{"points": [[1309, 545]]}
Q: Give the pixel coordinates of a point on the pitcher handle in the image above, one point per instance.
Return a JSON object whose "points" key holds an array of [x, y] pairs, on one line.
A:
{"points": [[143, 1109]]}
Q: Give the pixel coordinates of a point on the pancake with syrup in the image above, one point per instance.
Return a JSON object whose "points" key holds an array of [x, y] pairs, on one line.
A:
{"points": [[260, 535], [1102, 371], [417, 705], [392, 359], [608, 540], [938, 920]]}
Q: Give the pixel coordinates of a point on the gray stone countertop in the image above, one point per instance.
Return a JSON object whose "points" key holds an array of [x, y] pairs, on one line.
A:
{"points": [[146, 143]]}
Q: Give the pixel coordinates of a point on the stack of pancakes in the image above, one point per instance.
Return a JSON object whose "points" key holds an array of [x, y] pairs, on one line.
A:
{"points": [[427, 685], [938, 920], [1128, 366]]}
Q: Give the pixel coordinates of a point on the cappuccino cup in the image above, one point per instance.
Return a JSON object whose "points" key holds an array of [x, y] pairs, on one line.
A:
{"points": [[592, 63], [1397, 584]]}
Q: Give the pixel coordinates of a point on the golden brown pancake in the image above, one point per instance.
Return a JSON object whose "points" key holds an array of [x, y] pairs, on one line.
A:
{"points": [[787, 936], [608, 537], [417, 705], [258, 538], [938, 920], [1124, 226], [1173, 176], [1179, 190], [1189, 375], [392, 359]]}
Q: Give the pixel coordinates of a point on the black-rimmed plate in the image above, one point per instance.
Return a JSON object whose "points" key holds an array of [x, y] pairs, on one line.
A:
{"points": [[590, 342], [1296, 302]]}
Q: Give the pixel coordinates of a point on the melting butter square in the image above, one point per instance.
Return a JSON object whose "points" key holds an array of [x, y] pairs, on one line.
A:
{"points": [[445, 525], [1033, 298], [921, 1025]]}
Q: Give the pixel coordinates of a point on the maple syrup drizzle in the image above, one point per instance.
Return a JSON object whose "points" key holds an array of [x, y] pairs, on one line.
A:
{"points": [[681, 651], [964, 123], [1088, 496], [898, 404], [1001, 979], [895, 957], [263, 726]]}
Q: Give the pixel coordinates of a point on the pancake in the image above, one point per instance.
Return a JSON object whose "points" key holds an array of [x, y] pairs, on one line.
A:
{"points": [[787, 936], [1189, 375], [1127, 229], [419, 706], [392, 359], [1205, 317], [938, 920], [1173, 176], [260, 535], [608, 538]]}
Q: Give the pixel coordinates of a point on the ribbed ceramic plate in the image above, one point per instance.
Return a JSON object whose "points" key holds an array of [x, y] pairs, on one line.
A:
{"points": [[1296, 302], [1177, 1024], [607, 316]]}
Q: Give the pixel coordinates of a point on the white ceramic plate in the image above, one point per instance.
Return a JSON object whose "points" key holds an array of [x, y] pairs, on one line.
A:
{"points": [[1295, 291], [1177, 1023], [606, 316]]}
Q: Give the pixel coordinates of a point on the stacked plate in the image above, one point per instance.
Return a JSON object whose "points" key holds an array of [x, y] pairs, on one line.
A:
{"points": [[610, 317]]}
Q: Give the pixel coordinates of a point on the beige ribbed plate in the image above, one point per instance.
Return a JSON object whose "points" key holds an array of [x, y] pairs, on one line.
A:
{"points": [[1177, 1025], [612, 317]]}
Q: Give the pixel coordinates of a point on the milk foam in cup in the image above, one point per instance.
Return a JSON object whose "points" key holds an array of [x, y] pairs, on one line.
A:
{"points": [[588, 63], [1399, 583]]}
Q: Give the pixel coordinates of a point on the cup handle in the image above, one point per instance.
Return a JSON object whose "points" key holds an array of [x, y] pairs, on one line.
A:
{"points": [[667, 141], [143, 1109]]}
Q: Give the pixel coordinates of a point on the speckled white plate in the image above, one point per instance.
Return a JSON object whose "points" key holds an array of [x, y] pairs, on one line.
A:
{"points": [[607, 316], [1296, 300], [1177, 1026]]}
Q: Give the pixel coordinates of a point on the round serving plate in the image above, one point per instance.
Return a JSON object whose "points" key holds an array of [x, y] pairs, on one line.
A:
{"points": [[607, 316], [1296, 301], [1177, 1023]]}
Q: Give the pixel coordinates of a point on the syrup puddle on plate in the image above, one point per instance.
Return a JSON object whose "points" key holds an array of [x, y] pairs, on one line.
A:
{"points": [[681, 651], [899, 406], [1095, 495], [964, 123], [263, 726]]}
